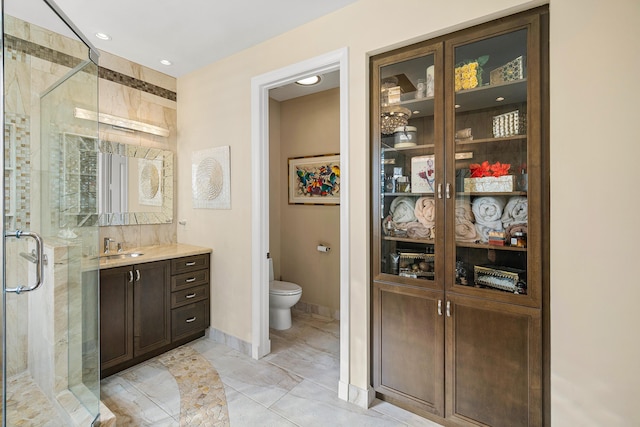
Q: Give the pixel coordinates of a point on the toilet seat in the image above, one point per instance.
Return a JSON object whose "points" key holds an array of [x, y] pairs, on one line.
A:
{"points": [[278, 287]]}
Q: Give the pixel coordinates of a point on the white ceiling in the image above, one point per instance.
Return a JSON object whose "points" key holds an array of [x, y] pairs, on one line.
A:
{"points": [[189, 33]]}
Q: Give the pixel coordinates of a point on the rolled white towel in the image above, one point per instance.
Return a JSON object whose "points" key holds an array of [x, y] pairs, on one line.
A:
{"points": [[516, 211], [484, 229], [402, 209], [488, 209]]}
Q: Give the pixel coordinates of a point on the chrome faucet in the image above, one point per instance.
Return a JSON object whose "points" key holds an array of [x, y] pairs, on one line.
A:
{"points": [[107, 242]]}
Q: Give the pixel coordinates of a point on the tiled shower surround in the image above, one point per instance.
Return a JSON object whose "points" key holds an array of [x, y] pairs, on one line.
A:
{"points": [[35, 59]]}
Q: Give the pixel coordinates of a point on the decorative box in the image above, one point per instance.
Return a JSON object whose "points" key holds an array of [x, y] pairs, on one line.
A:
{"points": [[423, 174], [513, 70], [416, 265], [490, 184], [405, 136], [504, 278], [509, 124]]}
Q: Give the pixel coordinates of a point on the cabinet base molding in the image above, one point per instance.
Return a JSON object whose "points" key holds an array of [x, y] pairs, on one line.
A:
{"points": [[129, 363], [356, 395]]}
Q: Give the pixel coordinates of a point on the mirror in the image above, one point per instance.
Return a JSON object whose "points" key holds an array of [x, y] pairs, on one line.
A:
{"points": [[134, 183]]}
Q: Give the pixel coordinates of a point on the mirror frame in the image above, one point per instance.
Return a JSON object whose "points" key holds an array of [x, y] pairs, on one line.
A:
{"points": [[149, 153]]}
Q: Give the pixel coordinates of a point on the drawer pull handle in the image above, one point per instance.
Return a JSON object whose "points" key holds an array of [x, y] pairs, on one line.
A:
{"points": [[190, 295], [192, 279], [192, 319], [189, 264]]}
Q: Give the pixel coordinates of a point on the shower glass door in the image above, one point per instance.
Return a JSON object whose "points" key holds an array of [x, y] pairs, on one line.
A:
{"points": [[50, 361]]}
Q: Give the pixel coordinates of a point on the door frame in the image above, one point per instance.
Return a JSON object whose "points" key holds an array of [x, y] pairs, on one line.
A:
{"points": [[260, 86]]}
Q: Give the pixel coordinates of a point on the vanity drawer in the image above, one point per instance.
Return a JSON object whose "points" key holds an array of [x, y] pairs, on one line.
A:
{"points": [[189, 319], [191, 295], [190, 263], [187, 280]]}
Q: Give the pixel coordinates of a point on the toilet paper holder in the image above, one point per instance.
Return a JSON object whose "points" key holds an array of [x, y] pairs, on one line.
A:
{"points": [[323, 248]]}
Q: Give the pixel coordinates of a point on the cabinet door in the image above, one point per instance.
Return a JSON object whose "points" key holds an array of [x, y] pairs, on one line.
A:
{"points": [[116, 316], [408, 153], [152, 328], [408, 353], [494, 201], [493, 363]]}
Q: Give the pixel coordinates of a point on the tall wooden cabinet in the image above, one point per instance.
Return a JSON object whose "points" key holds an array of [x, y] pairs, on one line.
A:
{"points": [[460, 224]]}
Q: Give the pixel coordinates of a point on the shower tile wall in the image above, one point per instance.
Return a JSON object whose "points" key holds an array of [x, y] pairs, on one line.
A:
{"points": [[36, 58], [126, 89]]}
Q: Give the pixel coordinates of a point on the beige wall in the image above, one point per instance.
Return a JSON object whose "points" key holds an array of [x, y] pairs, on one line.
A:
{"points": [[309, 126], [594, 206]]}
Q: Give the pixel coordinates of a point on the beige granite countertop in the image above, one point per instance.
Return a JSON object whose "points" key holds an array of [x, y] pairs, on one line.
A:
{"points": [[153, 253]]}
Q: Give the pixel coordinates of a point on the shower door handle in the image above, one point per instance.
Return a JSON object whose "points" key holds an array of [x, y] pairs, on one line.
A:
{"points": [[39, 261]]}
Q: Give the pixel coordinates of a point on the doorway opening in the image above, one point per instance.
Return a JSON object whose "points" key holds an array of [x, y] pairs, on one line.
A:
{"points": [[260, 87]]}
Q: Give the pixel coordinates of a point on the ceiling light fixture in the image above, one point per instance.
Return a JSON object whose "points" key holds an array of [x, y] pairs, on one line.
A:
{"points": [[166, 62], [103, 36], [309, 81], [393, 117]]}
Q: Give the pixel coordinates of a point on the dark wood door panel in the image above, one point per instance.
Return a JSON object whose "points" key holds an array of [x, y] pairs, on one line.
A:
{"points": [[152, 328], [409, 346], [116, 319], [494, 363]]}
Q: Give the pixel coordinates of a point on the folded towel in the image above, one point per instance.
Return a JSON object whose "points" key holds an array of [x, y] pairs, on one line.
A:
{"points": [[425, 211], [415, 230], [488, 209], [484, 229], [515, 212], [402, 209], [465, 231], [513, 228], [463, 210]]}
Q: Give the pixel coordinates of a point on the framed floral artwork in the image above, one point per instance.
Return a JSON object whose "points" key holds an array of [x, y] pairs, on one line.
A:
{"points": [[314, 180]]}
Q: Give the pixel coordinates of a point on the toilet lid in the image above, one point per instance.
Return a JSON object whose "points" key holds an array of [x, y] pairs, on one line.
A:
{"points": [[278, 287]]}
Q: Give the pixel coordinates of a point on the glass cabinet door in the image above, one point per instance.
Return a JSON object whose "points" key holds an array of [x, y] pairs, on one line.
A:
{"points": [[492, 148], [409, 151]]}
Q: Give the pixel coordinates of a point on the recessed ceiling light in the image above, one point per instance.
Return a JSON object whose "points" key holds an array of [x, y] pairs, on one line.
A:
{"points": [[309, 81], [103, 36], [500, 98], [166, 62]]}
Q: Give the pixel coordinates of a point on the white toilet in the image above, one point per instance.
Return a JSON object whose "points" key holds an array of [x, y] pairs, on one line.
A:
{"points": [[282, 296]]}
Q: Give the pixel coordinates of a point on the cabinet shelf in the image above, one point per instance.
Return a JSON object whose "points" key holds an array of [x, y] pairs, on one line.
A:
{"points": [[487, 246], [487, 193], [490, 140], [387, 147], [408, 194], [485, 96], [408, 240]]}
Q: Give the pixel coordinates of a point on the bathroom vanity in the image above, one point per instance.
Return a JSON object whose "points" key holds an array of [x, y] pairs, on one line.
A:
{"points": [[151, 303]]}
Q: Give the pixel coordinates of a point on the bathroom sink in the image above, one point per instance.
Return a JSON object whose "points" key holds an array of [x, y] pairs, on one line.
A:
{"points": [[122, 256]]}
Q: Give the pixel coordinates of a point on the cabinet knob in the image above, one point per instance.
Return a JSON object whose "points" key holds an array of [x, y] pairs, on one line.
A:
{"points": [[137, 275], [190, 295], [439, 307], [440, 191], [448, 191], [130, 276], [191, 319], [448, 308], [190, 279], [190, 263]]}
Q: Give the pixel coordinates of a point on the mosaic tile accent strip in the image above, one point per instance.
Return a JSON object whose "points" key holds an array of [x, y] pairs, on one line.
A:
{"points": [[17, 171], [202, 398], [17, 47]]}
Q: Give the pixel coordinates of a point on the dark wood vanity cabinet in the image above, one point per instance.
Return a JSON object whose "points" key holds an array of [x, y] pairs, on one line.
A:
{"points": [[189, 295], [459, 289], [147, 309]]}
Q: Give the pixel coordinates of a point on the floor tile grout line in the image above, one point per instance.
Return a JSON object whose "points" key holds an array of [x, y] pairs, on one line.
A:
{"points": [[152, 400]]}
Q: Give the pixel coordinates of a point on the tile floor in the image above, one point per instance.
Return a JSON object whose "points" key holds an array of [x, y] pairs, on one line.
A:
{"points": [[295, 385]]}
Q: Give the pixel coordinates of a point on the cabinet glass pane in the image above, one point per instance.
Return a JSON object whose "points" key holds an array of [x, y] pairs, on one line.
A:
{"points": [[491, 215], [407, 170]]}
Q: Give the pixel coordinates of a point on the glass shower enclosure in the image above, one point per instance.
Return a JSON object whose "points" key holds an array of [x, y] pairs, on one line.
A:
{"points": [[50, 358]]}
